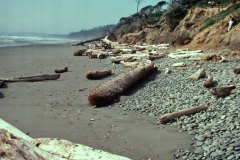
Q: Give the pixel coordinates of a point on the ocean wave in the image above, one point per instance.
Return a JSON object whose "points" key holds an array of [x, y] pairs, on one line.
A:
{"points": [[14, 40]]}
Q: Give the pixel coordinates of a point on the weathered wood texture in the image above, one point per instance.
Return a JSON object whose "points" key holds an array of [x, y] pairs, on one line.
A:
{"points": [[170, 116], [109, 91], [40, 77], [98, 74]]}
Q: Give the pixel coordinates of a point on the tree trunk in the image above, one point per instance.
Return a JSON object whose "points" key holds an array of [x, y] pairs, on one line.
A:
{"points": [[88, 41], [109, 91], [40, 77], [170, 116]]}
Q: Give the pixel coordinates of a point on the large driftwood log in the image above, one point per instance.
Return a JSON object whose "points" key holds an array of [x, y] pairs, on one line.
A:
{"points": [[65, 69], [40, 77], [88, 41], [109, 91], [98, 74], [199, 74], [170, 116]]}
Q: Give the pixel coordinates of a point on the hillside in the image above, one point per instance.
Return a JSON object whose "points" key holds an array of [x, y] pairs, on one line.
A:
{"points": [[197, 26]]}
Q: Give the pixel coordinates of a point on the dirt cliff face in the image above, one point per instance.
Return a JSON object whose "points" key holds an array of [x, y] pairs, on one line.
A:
{"points": [[200, 28]]}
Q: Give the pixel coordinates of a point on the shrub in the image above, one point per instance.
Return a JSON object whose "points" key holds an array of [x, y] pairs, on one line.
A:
{"points": [[174, 16], [207, 23]]}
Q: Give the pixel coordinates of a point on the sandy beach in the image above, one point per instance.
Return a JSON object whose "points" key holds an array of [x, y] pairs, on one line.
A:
{"points": [[60, 108]]}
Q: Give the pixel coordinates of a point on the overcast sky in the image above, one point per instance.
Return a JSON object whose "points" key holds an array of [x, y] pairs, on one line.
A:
{"points": [[63, 16]]}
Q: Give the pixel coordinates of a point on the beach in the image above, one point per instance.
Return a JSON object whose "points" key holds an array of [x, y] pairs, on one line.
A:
{"points": [[60, 108]]}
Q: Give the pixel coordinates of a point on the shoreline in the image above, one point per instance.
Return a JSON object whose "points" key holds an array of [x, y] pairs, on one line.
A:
{"points": [[58, 109]]}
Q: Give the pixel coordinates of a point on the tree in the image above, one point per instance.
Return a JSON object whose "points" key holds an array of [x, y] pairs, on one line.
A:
{"points": [[138, 3]]}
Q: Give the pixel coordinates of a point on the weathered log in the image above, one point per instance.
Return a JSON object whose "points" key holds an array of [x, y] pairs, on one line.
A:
{"points": [[88, 41], [40, 77], [80, 52], [130, 64], [98, 74], [222, 91], [97, 55], [170, 116], [111, 90], [129, 59], [116, 61], [236, 70], [199, 74], [208, 82], [65, 69]]}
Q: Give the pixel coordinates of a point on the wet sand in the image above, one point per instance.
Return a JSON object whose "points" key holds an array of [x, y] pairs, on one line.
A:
{"points": [[60, 108]]}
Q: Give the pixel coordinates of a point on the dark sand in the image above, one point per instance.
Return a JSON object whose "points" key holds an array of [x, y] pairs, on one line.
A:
{"points": [[58, 109]]}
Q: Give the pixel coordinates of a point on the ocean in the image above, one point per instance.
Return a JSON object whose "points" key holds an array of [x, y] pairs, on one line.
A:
{"points": [[7, 40]]}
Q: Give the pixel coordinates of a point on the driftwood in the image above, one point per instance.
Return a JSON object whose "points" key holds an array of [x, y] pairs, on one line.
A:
{"points": [[236, 70], [2, 84], [208, 82], [65, 69], [180, 64], [40, 77], [97, 55], [98, 74], [116, 61], [199, 74], [111, 90], [170, 116], [130, 64], [88, 41], [80, 52], [222, 91]]}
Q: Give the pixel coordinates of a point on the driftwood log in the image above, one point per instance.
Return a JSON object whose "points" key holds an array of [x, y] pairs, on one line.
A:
{"points": [[111, 90], [40, 77], [89, 41], [208, 82], [222, 91], [236, 70], [80, 52], [199, 74], [2, 83], [170, 116], [65, 69], [98, 74]]}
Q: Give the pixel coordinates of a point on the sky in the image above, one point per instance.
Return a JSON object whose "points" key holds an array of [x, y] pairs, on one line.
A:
{"points": [[63, 16]]}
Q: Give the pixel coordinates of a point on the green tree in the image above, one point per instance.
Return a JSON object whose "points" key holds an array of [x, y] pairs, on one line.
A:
{"points": [[138, 3]]}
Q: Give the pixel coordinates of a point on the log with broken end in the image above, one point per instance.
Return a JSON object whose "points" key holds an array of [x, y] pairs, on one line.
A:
{"points": [[65, 69], [199, 74], [40, 77], [208, 82], [170, 116], [98, 74], [107, 92]]}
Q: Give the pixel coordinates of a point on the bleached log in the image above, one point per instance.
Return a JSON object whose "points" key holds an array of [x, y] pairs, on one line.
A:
{"points": [[208, 82], [236, 70], [180, 64], [40, 77], [170, 116], [223, 59], [109, 91], [98, 74], [65, 69], [199, 74], [185, 54], [130, 64]]}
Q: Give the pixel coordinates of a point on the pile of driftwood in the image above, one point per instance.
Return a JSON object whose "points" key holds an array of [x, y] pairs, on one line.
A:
{"points": [[127, 55]]}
